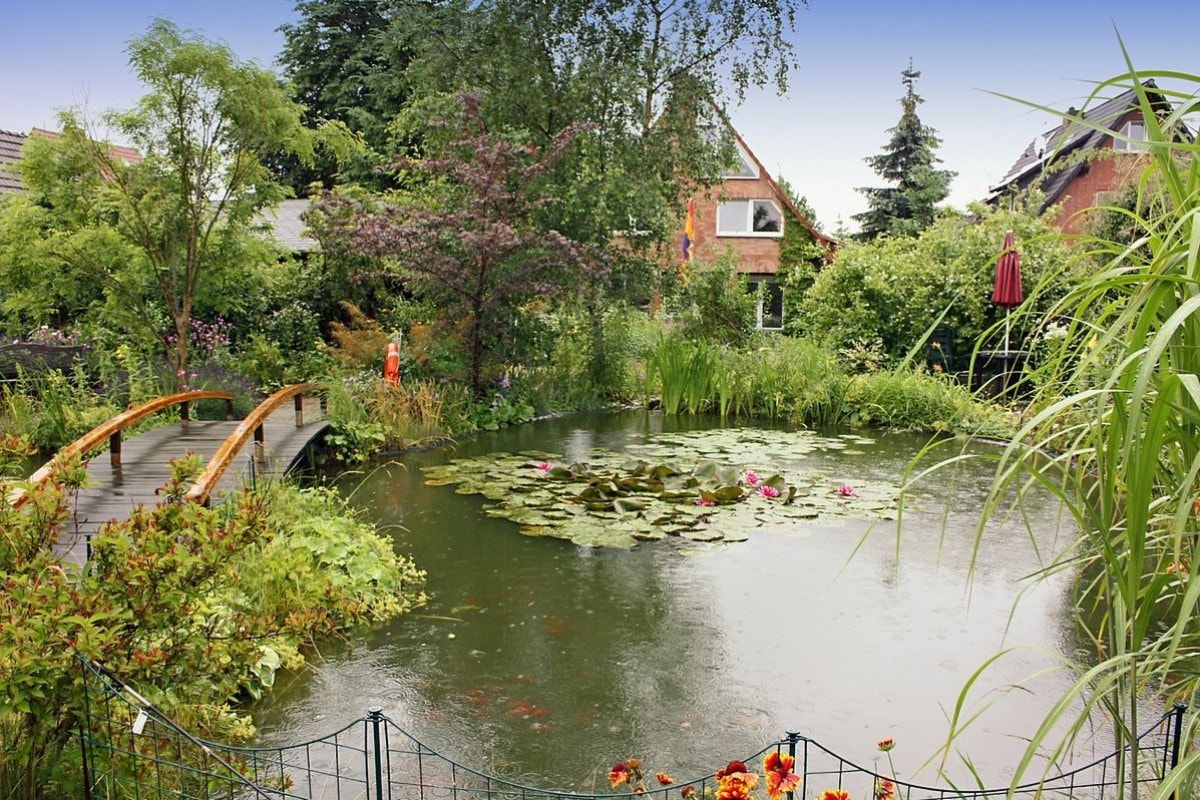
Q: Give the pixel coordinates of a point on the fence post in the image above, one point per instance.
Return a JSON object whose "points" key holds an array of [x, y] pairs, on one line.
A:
{"points": [[375, 715], [792, 738], [1179, 707]]}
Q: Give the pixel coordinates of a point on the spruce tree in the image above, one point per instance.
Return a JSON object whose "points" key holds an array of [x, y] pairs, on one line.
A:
{"points": [[907, 207]]}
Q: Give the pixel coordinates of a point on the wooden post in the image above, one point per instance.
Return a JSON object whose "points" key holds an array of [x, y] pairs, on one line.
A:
{"points": [[299, 399], [185, 411], [114, 449], [260, 445]]}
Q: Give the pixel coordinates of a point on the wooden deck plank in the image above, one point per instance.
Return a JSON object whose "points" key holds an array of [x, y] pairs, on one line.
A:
{"points": [[113, 493]]}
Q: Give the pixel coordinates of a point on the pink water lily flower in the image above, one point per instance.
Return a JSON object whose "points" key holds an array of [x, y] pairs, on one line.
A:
{"points": [[846, 490], [752, 478], [704, 501], [768, 491], [544, 466]]}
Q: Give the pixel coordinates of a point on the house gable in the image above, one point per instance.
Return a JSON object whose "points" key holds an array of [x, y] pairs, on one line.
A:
{"points": [[1073, 163], [728, 214]]}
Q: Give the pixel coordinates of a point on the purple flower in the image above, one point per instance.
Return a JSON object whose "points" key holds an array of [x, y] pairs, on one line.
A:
{"points": [[504, 384]]}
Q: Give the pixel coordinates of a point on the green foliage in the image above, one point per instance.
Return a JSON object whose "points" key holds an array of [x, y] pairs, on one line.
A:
{"points": [[160, 237], [345, 63], [907, 207], [52, 409], [894, 288], [368, 414], [800, 381], [715, 304], [197, 607]]}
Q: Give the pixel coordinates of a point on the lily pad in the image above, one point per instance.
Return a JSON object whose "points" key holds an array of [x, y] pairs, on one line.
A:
{"points": [[618, 498]]}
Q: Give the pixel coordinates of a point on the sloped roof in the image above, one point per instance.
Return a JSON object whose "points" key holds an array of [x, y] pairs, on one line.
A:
{"points": [[286, 225], [828, 241], [10, 153], [1072, 136]]}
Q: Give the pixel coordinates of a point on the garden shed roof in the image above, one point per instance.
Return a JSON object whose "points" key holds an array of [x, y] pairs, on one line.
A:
{"points": [[289, 230]]}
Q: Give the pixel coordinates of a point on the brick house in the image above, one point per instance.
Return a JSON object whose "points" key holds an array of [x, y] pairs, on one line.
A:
{"points": [[1078, 166], [748, 213]]}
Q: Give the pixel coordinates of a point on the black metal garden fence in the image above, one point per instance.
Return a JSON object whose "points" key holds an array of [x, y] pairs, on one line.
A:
{"points": [[131, 750]]}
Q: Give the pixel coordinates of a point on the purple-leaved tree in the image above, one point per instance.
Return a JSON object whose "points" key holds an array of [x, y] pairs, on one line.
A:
{"points": [[468, 237]]}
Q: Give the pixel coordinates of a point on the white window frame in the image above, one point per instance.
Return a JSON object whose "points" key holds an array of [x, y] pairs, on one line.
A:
{"points": [[1138, 137], [748, 230]]}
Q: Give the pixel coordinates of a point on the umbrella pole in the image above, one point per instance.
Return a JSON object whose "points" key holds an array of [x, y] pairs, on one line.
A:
{"points": [[1007, 322]]}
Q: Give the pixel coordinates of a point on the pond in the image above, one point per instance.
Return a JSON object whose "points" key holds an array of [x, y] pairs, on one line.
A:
{"points": [[544, 661]]}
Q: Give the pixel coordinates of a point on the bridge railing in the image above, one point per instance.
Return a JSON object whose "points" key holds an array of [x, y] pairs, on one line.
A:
{"points": [[112, 431], [251, 426]]}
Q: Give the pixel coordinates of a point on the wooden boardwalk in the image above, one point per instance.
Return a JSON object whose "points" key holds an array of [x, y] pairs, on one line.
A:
{"points": [[113, 492]]}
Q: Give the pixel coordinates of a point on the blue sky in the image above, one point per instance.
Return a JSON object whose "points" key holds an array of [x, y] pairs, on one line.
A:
{"points": [[837, 112]]}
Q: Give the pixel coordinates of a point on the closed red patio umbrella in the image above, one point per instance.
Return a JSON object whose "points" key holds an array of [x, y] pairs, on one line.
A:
{"points": [[1007, 291]]}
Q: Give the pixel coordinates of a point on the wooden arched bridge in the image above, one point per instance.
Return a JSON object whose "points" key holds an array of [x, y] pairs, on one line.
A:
{"points": [[266, 444]]}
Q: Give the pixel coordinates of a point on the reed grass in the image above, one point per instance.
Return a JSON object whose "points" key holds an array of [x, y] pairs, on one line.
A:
{"points": [[1115, 435]]}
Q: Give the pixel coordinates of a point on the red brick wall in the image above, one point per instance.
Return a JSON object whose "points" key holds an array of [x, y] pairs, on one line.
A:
{"points": [[1104, 174], [757, 254]]}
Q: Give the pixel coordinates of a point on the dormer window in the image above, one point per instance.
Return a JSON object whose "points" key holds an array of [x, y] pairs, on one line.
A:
{"points": [[749, 218], [1134, 132]]}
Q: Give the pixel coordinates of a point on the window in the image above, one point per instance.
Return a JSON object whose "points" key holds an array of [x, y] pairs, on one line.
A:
{"points": [[743, 166], [769, 309], [749, 218], [1135, 131]]}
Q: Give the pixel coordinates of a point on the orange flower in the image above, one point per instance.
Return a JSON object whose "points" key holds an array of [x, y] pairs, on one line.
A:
{"points": [[835, 794], [885, 745], [780, 778], [732, 766], [663, 778], [618, 774], [736, 785], [885, 789], [687, 792]]}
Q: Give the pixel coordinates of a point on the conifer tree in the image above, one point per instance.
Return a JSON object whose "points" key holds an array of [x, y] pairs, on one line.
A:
{"points": [[908, 161]]}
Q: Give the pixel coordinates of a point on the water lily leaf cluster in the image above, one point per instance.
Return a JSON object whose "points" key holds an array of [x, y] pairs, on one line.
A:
{"points": [[697, 491]]}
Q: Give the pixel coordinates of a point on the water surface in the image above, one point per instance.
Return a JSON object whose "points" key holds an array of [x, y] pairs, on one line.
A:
{"points": [[547, 662]]}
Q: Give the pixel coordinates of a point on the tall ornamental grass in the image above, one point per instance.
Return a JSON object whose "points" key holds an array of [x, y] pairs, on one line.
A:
{"points": [[1115, 435]]}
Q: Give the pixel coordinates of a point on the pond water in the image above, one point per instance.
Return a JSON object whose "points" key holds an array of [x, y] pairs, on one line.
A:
{"points": [[546, 662]]}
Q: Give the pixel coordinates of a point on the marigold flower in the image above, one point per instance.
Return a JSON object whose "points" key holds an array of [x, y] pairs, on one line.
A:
{"points": [[663, 778], [885, 789], [736, 785], [618, 774], [885, 745], [835, 794], [780, 778]]}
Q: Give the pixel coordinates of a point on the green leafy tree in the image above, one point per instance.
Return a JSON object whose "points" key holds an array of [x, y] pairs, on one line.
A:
{"points": [[156, 230], [344, 62], [470, 239], [908, 162], [890, 290]]}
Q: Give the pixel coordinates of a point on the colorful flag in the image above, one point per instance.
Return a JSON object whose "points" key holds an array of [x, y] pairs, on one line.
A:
{"points": [[689, 241]]}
